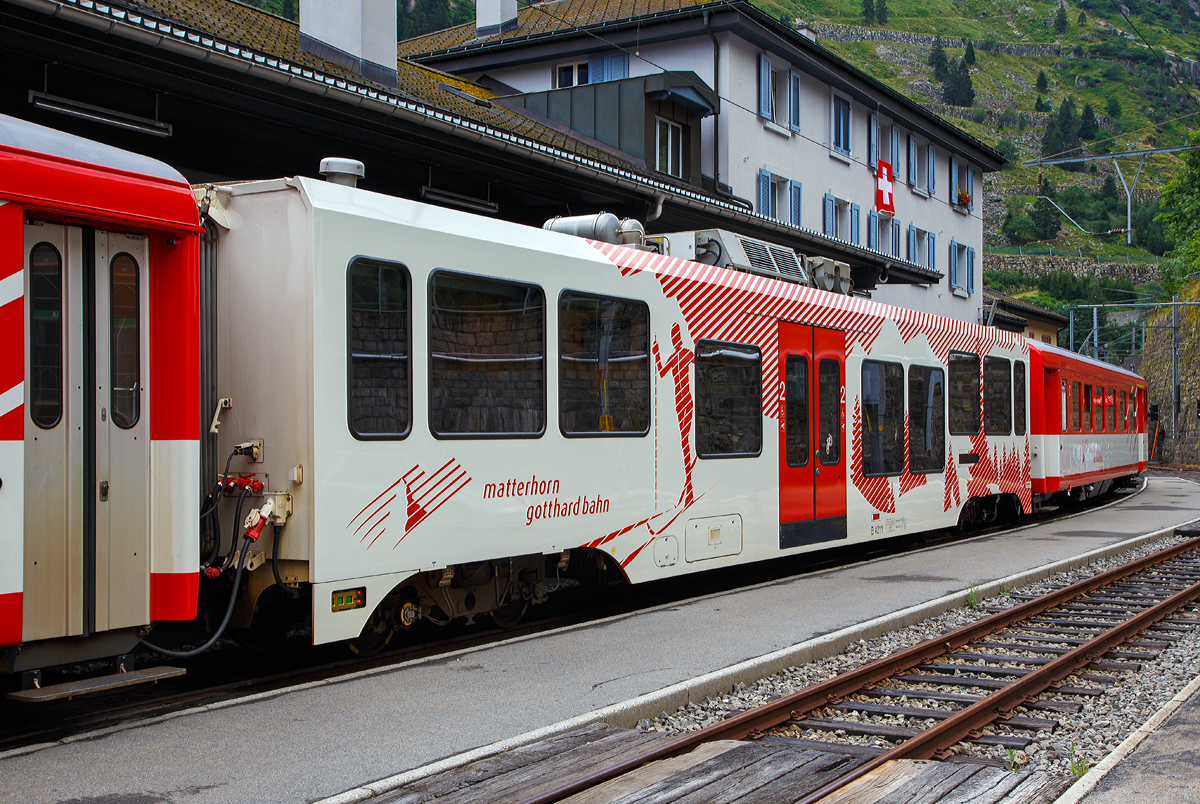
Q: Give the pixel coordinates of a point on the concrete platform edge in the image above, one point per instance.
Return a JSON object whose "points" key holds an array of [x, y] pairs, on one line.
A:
{"points": [[719, 682], [1088, 782]]}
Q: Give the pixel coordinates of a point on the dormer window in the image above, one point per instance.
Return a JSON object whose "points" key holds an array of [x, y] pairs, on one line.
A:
{"points": [[669, 147], [571, 75]]}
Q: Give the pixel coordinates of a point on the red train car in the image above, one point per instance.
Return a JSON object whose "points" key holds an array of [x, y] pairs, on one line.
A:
{"points": [[1088, 423], [99, 399]]}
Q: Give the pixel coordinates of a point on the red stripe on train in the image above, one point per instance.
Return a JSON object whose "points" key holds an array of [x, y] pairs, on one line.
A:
{"points": [[174, 339], [1052, 484], [173, 595], [10, 618]]}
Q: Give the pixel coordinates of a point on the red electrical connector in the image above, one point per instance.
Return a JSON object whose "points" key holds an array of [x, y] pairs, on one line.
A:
{"points": [[235, 484], [257, 520], [212, 572]]}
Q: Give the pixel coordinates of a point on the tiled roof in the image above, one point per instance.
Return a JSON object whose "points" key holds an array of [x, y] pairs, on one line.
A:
{"points": [[540, 18], [255, 29]]}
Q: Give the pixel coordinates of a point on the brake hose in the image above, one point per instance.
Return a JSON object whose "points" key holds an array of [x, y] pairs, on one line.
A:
{"points": [[237, 578], [287, 590]]}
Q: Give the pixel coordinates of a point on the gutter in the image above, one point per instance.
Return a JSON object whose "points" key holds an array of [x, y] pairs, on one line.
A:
{"points": [[180, 40]]}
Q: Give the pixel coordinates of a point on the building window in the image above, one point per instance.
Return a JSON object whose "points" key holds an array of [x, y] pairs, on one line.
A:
{"points": [[669, 147], [380, 379], [487, 347], [997, 396], [571, 75], [1019, 398], [964, 394], [919, 242], [841, 125], [604, 365], [728, 400], [926, 420], [882, 418], [45, 336]]}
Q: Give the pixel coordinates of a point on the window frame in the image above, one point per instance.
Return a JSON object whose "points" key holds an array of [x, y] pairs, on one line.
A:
{"points": [[355, 260], [429, 299], [696, 399], [649, 366], [994, 359], [945, 418], [848, 134], [574, 65], [950, 391], [903, 410], [1076, 408], [31, 331], [1019, 402], [672, 127], [138, 288]]}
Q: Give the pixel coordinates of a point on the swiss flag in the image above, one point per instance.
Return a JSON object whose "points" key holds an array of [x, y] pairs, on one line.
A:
{"points": [[884, 201]]}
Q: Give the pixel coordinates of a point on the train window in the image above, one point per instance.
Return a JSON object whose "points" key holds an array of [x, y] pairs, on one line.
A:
{"points": [[604, 365], [45, 336], [829, 411], [125, 341], [1123, 416], [1019, 397], [1063, 402], [380, 380], [882, 418], [1075, 407], [927, 420], [1087, 408], [964, 394], [997, 396], [487, 350], [728, 400], [796, 424], [1111, 401]]}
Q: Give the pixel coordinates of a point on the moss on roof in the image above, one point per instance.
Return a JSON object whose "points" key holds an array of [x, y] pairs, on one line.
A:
{"points": [[246, 26], [555, 15]]}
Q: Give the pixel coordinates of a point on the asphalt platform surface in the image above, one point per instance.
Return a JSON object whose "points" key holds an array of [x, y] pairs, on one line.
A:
{"points": [[315, 742]]}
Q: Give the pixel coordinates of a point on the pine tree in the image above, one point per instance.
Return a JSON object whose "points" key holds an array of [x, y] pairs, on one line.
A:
{"points": [[938, 60], [1043, 83], [1060, 19], [868, 12], [1088, 127], [969, 56], [1045, 217], [1113, 109], [1068, 125], [957, 89], [881, 11], [1052, 139], [1040, 105]]}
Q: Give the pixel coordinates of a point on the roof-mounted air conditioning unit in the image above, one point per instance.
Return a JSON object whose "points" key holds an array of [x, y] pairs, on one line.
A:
{"points": [[730, 250], [829, 274]]}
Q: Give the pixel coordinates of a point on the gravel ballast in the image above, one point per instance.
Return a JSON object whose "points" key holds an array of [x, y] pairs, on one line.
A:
{"points": [[1084, 737]]}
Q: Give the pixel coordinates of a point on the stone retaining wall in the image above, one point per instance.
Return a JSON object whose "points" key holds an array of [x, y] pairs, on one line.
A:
{"points": [[1035, 266]]}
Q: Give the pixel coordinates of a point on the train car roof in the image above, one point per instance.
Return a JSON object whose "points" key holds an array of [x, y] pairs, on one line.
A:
{"points": [[1067, 355], [17, 133]]}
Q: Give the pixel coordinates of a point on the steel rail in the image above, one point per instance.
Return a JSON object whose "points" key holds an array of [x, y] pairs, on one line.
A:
{"points": [[781, 710]]}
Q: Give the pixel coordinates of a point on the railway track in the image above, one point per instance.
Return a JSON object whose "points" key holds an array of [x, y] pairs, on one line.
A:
{"points": [[967, 685], [237, 672]]}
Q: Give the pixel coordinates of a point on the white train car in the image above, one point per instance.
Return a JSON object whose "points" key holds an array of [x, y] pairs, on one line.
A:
{"points": [[453, 414]]}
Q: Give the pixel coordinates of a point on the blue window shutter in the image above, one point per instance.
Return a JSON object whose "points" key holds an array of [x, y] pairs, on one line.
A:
{"points": [[971, 187], [932, 165], [970, 270], [873, 149], [932, 252], [764, 193], [895, 151], [953, 181], [895, 238], [855, 215], [764, 88], [794, 101], [796, 198], [953, 265], [618, 66], [873, 230], [597, 74], [912, 161], [912, 243], [829, 213]]}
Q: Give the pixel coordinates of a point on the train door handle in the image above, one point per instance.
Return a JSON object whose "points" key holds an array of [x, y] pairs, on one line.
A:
{"points": [[103, 491], [818, 471]]}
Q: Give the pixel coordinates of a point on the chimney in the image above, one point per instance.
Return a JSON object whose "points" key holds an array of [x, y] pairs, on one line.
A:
{"points": [[359, 35], [494, 17]]}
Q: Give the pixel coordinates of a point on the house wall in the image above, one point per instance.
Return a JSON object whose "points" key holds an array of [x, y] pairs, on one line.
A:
{"points": [[749, 144]]}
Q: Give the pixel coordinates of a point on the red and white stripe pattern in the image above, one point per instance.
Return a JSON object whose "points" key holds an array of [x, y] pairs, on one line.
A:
{"points": [[877, 491], [12, 420], [909, 481], [950, 478], [423, 494]]}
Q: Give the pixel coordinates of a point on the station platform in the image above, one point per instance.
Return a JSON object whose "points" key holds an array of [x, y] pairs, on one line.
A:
{"points": [[319, 740]]}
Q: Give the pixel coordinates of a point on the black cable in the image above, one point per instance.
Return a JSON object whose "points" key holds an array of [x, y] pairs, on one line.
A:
{"points": [[237, 518], [220, 486], [214, 497], [237, 579], [287, 590]]}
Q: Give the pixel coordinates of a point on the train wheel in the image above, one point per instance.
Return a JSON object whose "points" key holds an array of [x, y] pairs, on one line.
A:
{"points": [[510, 614], [375, 636]]}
